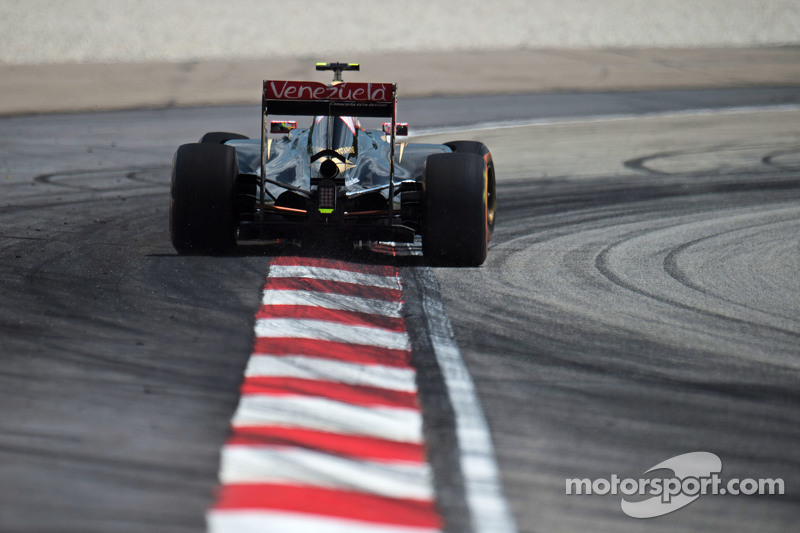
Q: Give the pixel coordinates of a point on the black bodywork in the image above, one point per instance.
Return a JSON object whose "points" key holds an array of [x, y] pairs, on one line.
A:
{"points": [[294, 176]]}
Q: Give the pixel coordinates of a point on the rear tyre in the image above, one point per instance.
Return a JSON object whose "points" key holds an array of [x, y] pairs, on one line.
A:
{"points": [[201, 213], [220, 137], [475, 147], [455, 228]]}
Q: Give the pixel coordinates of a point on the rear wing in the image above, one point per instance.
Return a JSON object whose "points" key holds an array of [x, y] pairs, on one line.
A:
{"points": [[312, 98], [342, 99]]}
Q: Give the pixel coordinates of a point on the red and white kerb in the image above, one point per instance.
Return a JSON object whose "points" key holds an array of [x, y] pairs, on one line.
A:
{"points": [[327, 437]]}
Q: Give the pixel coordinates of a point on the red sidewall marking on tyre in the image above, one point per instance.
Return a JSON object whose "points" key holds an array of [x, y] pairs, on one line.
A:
{"points": [[327, 436]]}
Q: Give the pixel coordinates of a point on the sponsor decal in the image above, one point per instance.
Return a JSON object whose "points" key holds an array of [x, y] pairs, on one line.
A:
{"points": [[313, 91]]}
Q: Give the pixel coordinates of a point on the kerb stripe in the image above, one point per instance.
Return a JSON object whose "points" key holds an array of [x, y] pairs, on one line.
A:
{"points": [[328, 502], [333, 287], [328, 300], [332, 274], [378, 270], [327, 436], [339, 351], [400, 424], [300, 367], [353, 318], [333, 443], [353, 394], [270, 521], [303, 328], [267, 464]]}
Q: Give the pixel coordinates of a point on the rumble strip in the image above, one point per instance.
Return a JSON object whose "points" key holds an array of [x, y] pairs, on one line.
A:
{"points": [[327, 437]]}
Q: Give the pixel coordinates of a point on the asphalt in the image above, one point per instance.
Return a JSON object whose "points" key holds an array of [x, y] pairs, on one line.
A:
{"points": [[640, 301]]}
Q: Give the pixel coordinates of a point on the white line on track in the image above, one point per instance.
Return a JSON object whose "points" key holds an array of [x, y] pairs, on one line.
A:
{"points": [[289, 366], [588, 119], [269, 464], [488, 507], [391, 423]]}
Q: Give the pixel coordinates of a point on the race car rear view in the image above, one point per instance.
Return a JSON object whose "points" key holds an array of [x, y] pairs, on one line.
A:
{"points": [[333, 179]]}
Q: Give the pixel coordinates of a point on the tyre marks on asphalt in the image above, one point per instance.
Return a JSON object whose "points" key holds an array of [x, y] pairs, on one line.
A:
{"points": [[327, 436]]}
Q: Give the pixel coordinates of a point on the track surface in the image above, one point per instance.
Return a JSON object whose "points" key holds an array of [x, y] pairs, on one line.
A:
{"points": [[640, 301]]}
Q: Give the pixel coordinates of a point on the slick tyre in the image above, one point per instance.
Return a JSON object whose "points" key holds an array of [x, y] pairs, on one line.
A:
{"points": [[475, 147], [455, 223], [220, 137], [201, 213]]}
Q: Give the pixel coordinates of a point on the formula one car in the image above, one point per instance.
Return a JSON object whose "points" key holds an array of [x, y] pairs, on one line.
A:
{"points": [[333, 179]]}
